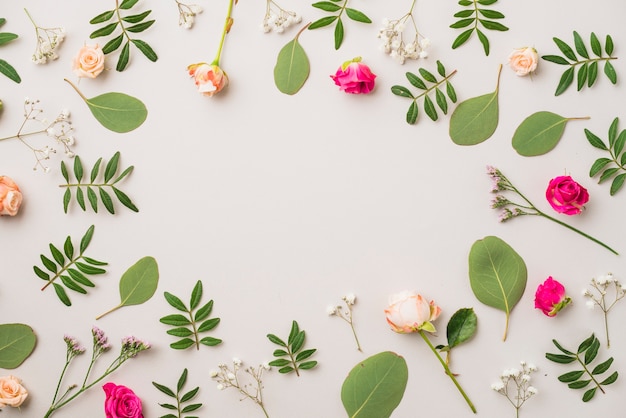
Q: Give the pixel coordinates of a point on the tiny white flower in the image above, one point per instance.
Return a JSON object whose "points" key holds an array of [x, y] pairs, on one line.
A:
{"points": [[266, 365], [532, 367], [331, 310], [51, 132], [498, 386], [532, 390], [220, 386], [230, 376], [350, 298], [526, 378], [237, 362], [590, 304]]}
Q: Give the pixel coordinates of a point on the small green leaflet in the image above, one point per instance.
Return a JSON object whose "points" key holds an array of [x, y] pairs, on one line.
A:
{"points": [[17, 342], [375, 386], [539, 133], [332, 7], [180, 397], [292, 67], [497, 275], [6, 68], [292, 357], [473, 17], [608, 168], [138, 283], [118, 112], [475, 120]]}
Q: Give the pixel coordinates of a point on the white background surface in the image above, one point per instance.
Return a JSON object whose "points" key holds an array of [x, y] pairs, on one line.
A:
{"points": [[282, 204]]}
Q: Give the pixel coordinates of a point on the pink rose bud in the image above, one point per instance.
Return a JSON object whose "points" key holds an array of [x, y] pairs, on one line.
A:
{"points": [[550, 297], [566, 196], [354, 77], [410, 312], [10, 197], [89, 62], [121, 402], [210, 79], [523, 60]]}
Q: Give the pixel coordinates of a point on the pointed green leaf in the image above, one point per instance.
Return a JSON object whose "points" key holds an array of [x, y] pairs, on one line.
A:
{"points": [[124, 199], [273, 338], [327, 6], [111, 167], [80, 278], [86, 239], [182, 344], [190, 395], [124, 57], [87, 269], [462, 38], [208, 325], [579, 44], [292, 68], [180, 332], [412, 113], [560, 358], [325, 21], [430, 109], [295, 330], [475, 120], [557, 59], [491, 14], [41, 274], [441, 101], [589, 394], [581, 78], [145, 49], [611, 379], [70, 284], [298, 342], [563, 350], [305, 354], [196, 295], [68, 248], [357, 16], [127, 4], [441, 69], [210, 341], [58, 289], [95, 170], [164, 389], [181, 381], [17, 342], [596, 47], [602, 367], [102, 17], [176, 320], [401, 91], [491, 25], [598, 165], [191, 408], [609, 70], [67, 196], [607, 174], [57, 255], [565, 49], [136, 18], [416, 81], [566, 80], [80, 198], [175, 302], [339, 34], [463, 23], [8, 70], [307, 365], [497, 274], [428, 76], [106, 200], [104, 31], [64, 172], [461, 326], [451, 92], [539, 133], [586, 344], [78, 169], [579, 384], [608, 46], [595, 141], [375, 386], [571, 376], [93, 199], [617, 183], [483, 40], [49, 264]]}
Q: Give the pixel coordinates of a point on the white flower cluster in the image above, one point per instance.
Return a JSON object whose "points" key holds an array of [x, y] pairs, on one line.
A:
{"points": [[603, 298], [392, 35], [521, 379], [346, 314], [48, 40], [187, 14], [278, 19], [227, 377]]}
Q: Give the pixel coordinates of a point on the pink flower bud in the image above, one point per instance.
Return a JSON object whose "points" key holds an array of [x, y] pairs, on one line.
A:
{"points": [[210, 79], [354, 77], [550, 297], [409, 312], [566, 196]]}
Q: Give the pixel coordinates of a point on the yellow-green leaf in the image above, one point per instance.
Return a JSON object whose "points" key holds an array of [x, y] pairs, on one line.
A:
{"points": [[17, 342], [292, 67]]}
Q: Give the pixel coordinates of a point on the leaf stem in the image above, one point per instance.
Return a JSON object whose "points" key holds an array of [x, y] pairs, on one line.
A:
{"points": [[582, 363], [434, 86], [448, 372], [77, 91], [109, 311], [227, 24]]}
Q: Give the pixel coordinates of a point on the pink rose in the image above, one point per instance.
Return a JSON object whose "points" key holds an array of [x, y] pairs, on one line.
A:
{"points": [[89, 62], [121, 402], [210, 79], [550, 297], [10, 196], [410, 312], [523, 60], [354, 77], [566, 196], [12, 393]]}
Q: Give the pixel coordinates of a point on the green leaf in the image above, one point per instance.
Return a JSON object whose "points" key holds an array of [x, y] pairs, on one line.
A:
{"points": [[589, 394], [401, 91], [104, 31], [279, 362], [196, 295], [41, 274], [375, 386], [87, 269], [80, 198], [611, 379], [462, 38], [70, 284], [325, 21], [571, 376], [102, 17], [441, 101], [124, 199], [592, 352], [579, 44], [607, 174], [86, 239], [124, 57], [93, 198], [180, 332], [305, 354], [140, 27], [579, 385], [483, 40], [596, 47], [190, 408], [49, 264], [189, 395], [617, 183], [145, 49], [136, 18], [6, 37], [598, 165], [357, 16], [441, 69], [327, 6], [557, 59], [461, 326], [111, 167], [182, 344], [175, 302], [292, 68], [563, 350], [539, 133], [488, 24], [307, 365], [608, 46], [451, 92], [127, 4], [609, 70], [565, 49], [175, 320], [595, 140], [138, 283], [429, 108], [181, 381], [293, 333], [210, 341], [475, 120], [566, 80], [273, 338], [412, 113], [164, 389], [339, 34], [415, 81], [106, 200], [602, 367], [491, 14], [463, 23], [584, 346], [8, 70], [428, 76], [581, 78], [497, 274], [58, 256], [17, 342], [208, 325], [560, 358], [58, 289]]}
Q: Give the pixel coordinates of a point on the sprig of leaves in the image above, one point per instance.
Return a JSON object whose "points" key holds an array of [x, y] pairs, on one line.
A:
{"points": [[292, 356], [615, 148], [194, 323], [339, 6], [6, 68], [109, 181], [472, 18], [429, 106], [71, 268], [180, 398], [587, 65], [585, 354], [137, 24]]}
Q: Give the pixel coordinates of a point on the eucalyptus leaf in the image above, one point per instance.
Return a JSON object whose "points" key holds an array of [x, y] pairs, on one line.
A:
{"points": [[138, 284], [375, 386], [475, 120], [497, 275], [292, 67], [117, 112], [539, 133], [17, 342]]}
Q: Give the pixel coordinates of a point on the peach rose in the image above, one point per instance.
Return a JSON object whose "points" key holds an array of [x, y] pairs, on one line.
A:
{"points": [[410, 312], [10, 196], [210, 79], [89, 62], [12, 393], [523, 60]]}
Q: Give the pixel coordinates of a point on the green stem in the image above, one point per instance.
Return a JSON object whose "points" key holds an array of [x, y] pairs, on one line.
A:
{"points": [[358, 344], [434, 86], [108, 312], [227, 24], [448, 372], [582, 363]]}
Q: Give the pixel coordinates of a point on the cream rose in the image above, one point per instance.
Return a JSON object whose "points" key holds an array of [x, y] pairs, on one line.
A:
{"points": [[12, 393], [523, 60], [10, 196], [89, 62]]}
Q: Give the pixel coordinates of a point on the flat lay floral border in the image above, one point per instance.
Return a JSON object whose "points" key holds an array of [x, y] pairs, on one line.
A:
{"points": [[376, 384]]}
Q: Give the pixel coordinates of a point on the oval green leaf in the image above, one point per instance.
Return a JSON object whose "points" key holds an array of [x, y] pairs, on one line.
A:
{"points": [[375, 386], [538, 133], [17, 342], [497, 275], [461, 326], [475, 120], [292, 68]]}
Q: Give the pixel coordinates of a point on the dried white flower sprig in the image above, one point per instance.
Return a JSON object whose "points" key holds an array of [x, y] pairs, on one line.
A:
{"points": [[346, 314], [60, 129], [392, 33], [601, 286], [515, 385], [227, 377], [187, 14], [48, 40], [278, 19]]}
